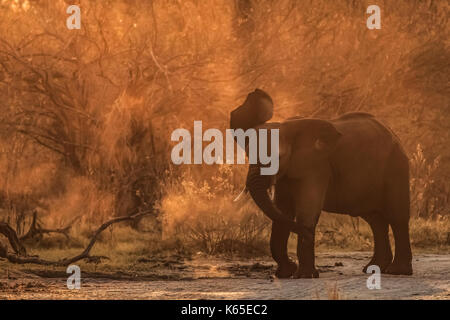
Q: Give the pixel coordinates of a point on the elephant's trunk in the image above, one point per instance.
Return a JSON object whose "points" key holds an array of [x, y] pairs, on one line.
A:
{"points": [[258, 186]]}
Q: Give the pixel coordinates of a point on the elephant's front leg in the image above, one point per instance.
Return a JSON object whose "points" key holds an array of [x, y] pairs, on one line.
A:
{"points": [[306, 256], [280, 232], [308, 206]]}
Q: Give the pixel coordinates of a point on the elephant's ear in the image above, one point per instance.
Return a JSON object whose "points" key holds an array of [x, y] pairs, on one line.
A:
{"points": [[321, 135], [267, 126], [284, 144]]}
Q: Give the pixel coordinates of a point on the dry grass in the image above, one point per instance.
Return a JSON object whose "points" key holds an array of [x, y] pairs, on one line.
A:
{"points": [[123, 244], [204, 216]]}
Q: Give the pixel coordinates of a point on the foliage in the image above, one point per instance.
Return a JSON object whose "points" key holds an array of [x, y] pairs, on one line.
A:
{"points": [[86, 115]]}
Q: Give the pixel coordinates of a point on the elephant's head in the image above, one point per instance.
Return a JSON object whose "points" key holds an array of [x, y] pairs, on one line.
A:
{"points": [[302, 143], [256, 109]]}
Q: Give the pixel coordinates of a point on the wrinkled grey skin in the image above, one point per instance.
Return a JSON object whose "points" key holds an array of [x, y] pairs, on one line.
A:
{"points": [[351, 165]]}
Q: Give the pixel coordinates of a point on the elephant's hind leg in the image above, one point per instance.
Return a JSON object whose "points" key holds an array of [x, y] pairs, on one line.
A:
{"points": [[382, 256], [280, 233], [397, 211], [402, 263]]}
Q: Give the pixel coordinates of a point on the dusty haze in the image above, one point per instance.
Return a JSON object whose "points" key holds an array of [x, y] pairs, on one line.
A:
{"points": [[86, 115]]}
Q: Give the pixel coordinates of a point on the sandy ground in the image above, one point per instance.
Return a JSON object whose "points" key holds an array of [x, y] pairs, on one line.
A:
{"points": [[203, 278]]}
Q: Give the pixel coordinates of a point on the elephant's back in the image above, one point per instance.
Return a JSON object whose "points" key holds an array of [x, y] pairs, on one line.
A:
{"points": [[363, 130], [359, 161]]}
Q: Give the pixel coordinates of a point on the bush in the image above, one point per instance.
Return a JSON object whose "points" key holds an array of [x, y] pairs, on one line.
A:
{"points": [[429, 192], [204, 216]]}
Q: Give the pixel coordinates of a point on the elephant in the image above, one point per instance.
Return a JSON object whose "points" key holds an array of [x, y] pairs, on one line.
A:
{"points": [[353, 165]]}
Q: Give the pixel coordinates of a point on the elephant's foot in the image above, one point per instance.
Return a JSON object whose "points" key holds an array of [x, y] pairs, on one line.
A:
{"points": [[306, 273], [382, 264], [286, 270], [404, 268]]}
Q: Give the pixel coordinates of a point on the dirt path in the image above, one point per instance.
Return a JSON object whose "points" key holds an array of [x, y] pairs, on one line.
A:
{"points": [[220, 279]]}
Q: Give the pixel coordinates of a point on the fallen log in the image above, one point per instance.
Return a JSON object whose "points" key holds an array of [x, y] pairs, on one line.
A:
{"points": [[22, 258]]}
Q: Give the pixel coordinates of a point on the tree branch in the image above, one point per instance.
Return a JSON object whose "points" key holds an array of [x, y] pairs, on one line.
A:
{"points": [[36, 229], [11, 234], [21, 259]]}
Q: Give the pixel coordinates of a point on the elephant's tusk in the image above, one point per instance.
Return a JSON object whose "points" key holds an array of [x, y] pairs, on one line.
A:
{"points": [[244, 193], [272, 192]]}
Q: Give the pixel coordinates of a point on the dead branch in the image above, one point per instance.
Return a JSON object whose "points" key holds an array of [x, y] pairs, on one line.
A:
{"points": [[20, 259], [10, 233], [37, 230]]}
